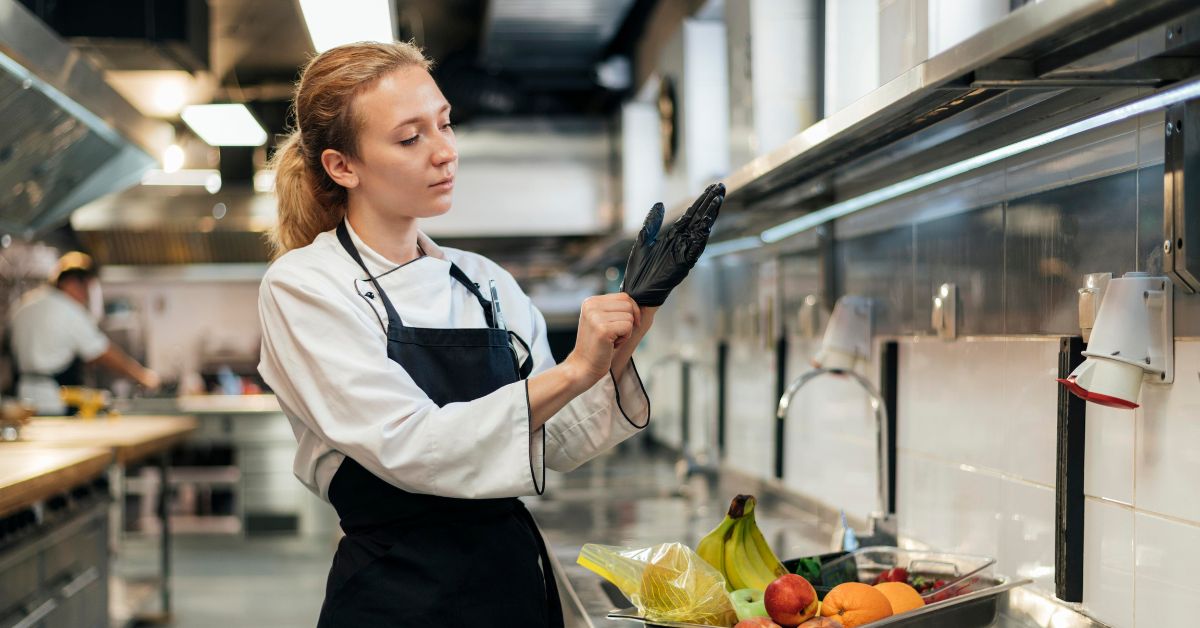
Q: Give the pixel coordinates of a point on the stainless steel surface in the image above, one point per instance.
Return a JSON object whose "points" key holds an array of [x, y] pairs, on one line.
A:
{"points": [[627, 499], [76, 140], [932, 90], [966, 250], [881, 527]]}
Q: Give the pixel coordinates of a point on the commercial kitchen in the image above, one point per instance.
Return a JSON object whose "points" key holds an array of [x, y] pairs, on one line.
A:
{"points": [[361, 313]]}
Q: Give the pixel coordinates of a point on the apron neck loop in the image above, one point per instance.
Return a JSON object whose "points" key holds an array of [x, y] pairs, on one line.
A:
{"points": [[343, 235]]}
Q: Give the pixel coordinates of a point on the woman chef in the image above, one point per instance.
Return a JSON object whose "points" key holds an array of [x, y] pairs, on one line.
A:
{"points": [[424, 401]]}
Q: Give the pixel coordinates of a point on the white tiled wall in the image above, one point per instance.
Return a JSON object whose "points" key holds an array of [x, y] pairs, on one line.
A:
{"points": [[1108, 560], [1166, 592], [976, 474]]}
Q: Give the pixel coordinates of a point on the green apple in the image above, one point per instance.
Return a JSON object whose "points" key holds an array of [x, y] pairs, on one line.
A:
{"points": [[748, 603]]}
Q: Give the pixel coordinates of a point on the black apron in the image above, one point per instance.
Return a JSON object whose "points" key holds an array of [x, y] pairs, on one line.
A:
{"points": [[422, 560]]}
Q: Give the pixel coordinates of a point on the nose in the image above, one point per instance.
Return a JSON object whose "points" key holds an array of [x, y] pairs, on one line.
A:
{"points": [[444, 152]]}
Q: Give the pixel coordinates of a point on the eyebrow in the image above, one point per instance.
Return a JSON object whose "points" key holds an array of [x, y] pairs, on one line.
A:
{"points": [[415, 119]]}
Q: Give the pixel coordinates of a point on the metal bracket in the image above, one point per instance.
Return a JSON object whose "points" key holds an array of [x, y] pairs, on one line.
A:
{"points": [[1181, 195]]}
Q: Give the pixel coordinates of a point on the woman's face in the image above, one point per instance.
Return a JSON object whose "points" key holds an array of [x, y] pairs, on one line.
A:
{"points": [[406, 155]]}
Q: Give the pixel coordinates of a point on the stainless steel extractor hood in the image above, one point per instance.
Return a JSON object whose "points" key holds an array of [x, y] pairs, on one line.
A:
{"points": [[66, 138]]}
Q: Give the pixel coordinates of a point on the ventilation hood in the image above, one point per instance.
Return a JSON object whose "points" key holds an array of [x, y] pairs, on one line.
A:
{"points": [[68, 138]]}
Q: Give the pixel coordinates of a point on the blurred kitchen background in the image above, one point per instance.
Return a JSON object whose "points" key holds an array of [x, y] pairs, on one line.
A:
{"points": [[967, 169]]}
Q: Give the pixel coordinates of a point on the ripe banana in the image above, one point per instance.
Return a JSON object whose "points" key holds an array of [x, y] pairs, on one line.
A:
{"points": [[738, 550], [764, 551], [712, 547]]}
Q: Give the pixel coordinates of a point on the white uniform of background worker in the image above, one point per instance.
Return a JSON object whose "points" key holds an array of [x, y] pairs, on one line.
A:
{"points": [[54, 334]]}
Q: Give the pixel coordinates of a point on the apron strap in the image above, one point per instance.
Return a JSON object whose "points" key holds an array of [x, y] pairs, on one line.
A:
{"points": [[343, 236], [462, 278], [553, 603], [527, 367]]}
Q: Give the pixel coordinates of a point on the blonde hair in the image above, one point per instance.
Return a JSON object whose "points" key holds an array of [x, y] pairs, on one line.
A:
{"points": [[310, 202]]}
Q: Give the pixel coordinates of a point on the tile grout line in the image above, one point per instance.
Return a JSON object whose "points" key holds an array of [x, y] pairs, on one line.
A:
{"points": [[980, 470]]}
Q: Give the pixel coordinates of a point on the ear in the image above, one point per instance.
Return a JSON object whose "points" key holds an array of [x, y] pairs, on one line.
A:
{"points": [[339, 168]]}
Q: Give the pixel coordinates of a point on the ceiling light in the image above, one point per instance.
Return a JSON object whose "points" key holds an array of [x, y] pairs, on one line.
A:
{"points": [[1160, 100], [172, 159], [208, 179], [224, 125], [264, 181], [332, 23]]}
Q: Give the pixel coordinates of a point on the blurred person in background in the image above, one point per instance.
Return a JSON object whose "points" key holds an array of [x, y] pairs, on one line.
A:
{"points": [[55, 333]]}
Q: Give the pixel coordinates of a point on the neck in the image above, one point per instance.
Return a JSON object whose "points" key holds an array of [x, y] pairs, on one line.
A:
{"points": [[392, 237]]}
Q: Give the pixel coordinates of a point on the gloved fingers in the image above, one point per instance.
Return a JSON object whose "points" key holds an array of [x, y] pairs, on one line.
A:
{"points": [[683, 221], [702, 223], [651, 226]]}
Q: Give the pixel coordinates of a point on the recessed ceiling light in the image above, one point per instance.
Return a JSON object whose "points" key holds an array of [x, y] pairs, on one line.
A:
{"points": [[333, 23], [224, 125]]}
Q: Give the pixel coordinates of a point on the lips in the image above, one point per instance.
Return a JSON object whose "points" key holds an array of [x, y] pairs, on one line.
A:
{"points": [[444, 184]]}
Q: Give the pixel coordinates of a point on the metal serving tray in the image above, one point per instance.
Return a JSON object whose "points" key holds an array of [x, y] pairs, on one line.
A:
{"points": [[977, 608]]}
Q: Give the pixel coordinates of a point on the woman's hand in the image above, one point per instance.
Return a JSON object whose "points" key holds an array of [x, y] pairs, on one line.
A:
{"points": [[606, 322], [625, 347]]}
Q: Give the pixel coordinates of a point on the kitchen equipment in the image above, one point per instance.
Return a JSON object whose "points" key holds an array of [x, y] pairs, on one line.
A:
{"points": [[90, 401]]}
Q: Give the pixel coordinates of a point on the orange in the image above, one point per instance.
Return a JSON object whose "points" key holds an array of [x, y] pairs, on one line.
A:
{"points": [[903, 597], [855, 604]]}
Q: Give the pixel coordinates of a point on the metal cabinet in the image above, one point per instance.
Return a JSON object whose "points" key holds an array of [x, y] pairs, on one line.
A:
{"points": [[55, 575]]}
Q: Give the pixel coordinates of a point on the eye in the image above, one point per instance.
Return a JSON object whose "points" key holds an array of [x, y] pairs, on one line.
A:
{"points": [[449, 126], [410, 141]]}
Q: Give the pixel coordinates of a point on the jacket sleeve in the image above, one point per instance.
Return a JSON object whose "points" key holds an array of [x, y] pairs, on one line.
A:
{"points": [[327, 361], [595, 421]]}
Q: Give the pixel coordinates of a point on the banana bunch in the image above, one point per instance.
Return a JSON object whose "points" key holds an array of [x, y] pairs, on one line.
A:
{"points": [[738, 550]]}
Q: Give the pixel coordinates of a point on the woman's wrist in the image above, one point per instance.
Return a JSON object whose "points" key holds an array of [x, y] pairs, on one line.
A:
{"points": [[578, 377]]}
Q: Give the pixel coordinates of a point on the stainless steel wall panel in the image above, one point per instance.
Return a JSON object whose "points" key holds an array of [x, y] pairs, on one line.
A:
{"points": [[1088, 156], [1053, 238], [1151, 139], [1150, 220], [880, 266], [966, 250]]}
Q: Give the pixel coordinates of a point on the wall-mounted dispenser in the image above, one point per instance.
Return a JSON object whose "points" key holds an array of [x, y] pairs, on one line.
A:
{"points": [[847, 335], [1133, 339]]}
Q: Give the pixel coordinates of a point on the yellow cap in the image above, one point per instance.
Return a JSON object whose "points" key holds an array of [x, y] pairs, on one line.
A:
{"points": [[74, 260]]}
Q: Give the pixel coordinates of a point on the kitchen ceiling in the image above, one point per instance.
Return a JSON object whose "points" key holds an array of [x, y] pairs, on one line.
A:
{"points": [[497, 59]]}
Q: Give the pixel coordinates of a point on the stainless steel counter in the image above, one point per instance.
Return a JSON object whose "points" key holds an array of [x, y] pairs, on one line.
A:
{"points": [[635, 498]]}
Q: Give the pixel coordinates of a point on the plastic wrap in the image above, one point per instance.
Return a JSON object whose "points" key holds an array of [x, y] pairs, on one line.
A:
{"points": [[666, 582]]}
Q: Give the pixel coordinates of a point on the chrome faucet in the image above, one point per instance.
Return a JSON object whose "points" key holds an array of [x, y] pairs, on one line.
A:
{"points": [[882, 528]]}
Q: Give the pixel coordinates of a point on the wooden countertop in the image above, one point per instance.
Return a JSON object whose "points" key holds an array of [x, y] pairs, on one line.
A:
{"points": [[29, 473], [228, 404], [131, 438]]}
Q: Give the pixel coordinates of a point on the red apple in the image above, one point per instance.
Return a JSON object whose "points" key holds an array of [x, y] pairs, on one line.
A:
{"points": [[790, 600], [756, 622]]}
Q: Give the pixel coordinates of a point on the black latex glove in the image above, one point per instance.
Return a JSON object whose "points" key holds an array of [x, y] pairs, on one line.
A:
{"points": [[659, 261]]}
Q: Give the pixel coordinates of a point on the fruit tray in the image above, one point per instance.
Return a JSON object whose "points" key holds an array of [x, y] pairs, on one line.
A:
{"points": [[974, 606], [952, 573]]}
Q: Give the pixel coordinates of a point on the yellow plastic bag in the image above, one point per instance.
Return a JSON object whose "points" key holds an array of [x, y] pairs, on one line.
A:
{"points": [[667, 582]]}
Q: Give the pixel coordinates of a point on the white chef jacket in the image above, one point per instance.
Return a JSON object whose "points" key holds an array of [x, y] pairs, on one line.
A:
{"points": [[49, 329], [324, 353]]}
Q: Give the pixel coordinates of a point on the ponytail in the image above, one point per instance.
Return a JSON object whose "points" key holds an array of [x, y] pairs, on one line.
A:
{"points": [[310, 202], [304, 210]]}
